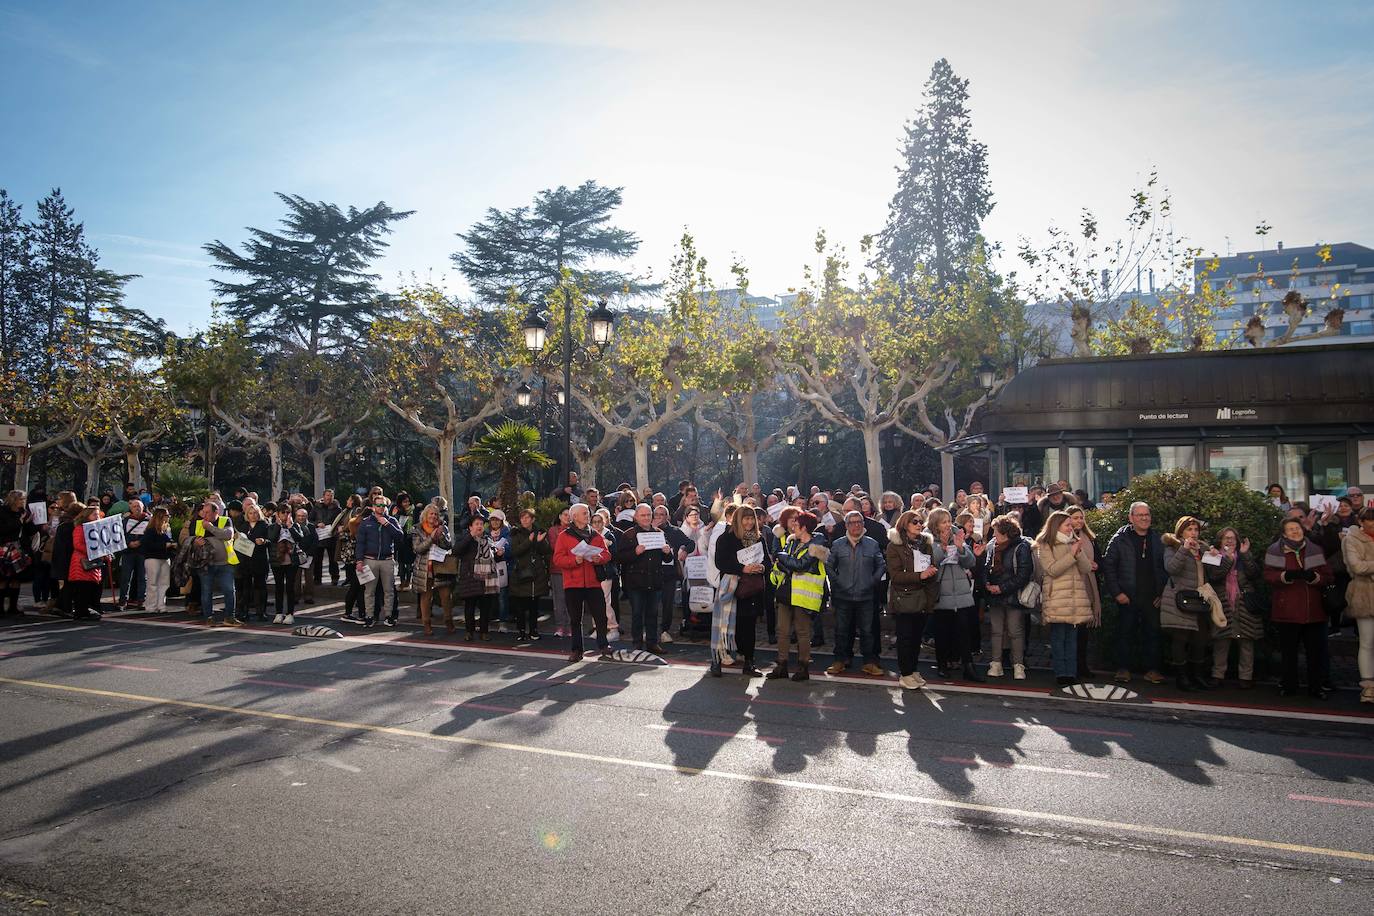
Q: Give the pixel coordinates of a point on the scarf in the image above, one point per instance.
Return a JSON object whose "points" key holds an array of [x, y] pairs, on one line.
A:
{"points": [[1063, 538], [582, 534], [428, 528], [750, 537], [1233, 582]]}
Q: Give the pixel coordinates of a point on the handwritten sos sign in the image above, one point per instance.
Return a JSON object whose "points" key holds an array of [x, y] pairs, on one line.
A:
{"points": [[104, 538]]}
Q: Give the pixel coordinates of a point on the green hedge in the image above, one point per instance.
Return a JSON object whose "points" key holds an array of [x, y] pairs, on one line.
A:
{"points": [[1218, 503]]}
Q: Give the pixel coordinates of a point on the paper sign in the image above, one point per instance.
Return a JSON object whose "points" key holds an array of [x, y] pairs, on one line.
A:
{"points": [[586, 551], [1322, 503], [775, 510], [306, 560], [104, 537], [285, 535], [38, 513], [438, 554], [1211, 559], [1014, 495], [625, 515], [920, 562], [828, 520], [751, 554], [701, 597], [324, 532], [977, 527], [366, 575], [696, 568], [650, 540]]}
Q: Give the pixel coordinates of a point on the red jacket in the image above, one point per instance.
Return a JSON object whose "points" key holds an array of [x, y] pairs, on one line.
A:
{"points": [[578, 574], [75, 573], [1296, 602]]}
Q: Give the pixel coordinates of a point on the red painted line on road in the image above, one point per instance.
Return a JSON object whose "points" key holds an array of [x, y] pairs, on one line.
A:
{"points": [[1347, 802], [798, 705], [567, 683], [376, 664], [485, 707], [120, 667], [766, 739], [119, 642], [1340, 754], [1057, 728], [253, 680], [232, 651]]}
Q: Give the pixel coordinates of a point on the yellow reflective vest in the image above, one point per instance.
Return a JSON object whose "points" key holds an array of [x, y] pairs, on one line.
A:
{"points": [[808, 590], [229, 554]]}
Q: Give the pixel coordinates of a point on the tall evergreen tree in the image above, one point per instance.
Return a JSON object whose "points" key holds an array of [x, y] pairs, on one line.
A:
{"points": [[308, 287], [16, 304], [942, 187], [58, 263], [528, 248], [105, 321]]}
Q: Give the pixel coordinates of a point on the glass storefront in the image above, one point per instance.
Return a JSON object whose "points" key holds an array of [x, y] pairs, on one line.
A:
{"points": [[1026, 467], [1151, 459], [1308, 469], [1098, 469], [1247, 463]]}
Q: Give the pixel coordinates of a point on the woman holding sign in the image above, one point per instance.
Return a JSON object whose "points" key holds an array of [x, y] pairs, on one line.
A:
{"points": [[16, 532], [743, 560], [83, 573], [435, 566]]}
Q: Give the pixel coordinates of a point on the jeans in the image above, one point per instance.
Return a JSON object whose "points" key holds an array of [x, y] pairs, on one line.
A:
{"points": [[221, 577], [1311, 638], [849, 614], [590, 600], [132, 583], [1064, 649], [286, 595], [1140, 626], [644, 615], [909, 629], [383, 587], [667, 592], [1011, 622], [157, 574]]}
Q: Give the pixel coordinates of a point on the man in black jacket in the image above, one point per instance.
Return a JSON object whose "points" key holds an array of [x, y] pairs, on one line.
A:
{"points": [[1133, 572], [641, 570]]}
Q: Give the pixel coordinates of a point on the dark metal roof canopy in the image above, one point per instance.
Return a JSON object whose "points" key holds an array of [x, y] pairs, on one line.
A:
{"points": [[1224, 388]]}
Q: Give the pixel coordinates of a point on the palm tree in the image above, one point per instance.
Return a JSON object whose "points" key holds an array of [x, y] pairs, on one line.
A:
{"points": [[508, 448]]}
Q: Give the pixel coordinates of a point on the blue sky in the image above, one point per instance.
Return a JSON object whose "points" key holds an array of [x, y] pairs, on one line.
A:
{"points": [[752, 124]]}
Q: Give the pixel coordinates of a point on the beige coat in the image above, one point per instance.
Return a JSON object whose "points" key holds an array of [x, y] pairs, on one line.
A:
{"points": [[1358, 550], [1066, 597]]}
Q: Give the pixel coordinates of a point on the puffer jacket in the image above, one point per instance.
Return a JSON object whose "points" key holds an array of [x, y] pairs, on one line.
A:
{"points": [[1242, 622], [529, 564], [75, 571], [1358, 551], [1014, 574], [956, 587], [1065, 597], [424, 578], [1294, 601], [1182, 568], [907, 592]]}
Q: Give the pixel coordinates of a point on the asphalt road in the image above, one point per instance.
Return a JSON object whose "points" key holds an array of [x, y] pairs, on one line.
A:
{"points": [[148, 768]]}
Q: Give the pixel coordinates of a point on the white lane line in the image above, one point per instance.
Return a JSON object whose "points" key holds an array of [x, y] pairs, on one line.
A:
{"points": [[733, 736], [971, 761]]}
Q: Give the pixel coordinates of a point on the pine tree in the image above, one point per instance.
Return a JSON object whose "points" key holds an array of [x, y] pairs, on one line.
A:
{"points": [[58, 262], [528, 248], [17, 335], [105, 322], [942, 187], [307, 287]]}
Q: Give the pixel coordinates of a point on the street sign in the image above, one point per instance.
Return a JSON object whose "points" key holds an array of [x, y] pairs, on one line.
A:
{"points": [[14, 437]]}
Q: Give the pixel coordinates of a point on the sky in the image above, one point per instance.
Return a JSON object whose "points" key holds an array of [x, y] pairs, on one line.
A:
{"points": [[751, 124]]}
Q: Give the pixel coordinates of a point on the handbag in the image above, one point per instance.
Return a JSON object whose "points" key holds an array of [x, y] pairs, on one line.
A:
{"points": [[1030, 593], [1190, 601], [750, 584]]}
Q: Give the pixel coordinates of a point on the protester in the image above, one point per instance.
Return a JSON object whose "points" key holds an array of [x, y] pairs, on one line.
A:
{"points": [[1183, 610], [743, 590], [1089, 538], [609, 574], [581, 586], [156, 547], [672, 575], [132, 584], [641, 572], [530, 557], [378, 535], [1296, 570], [1357, 549], [433, 575], [1009, 567], [325, 514], [346, 549], [857, 567], [255, 565], [1237, 584], [799, 598], [912, 592], [1134, 576], [16, 536], [284, 537], [84, 574], [1066, 603], [955, 606], [214, 558]]}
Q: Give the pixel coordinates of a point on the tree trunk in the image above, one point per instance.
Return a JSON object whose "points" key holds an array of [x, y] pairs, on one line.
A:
{"points": [[641, 443], [317, 470], [135, 466], [444, 467], [210, 458], [92, 475], [750, 463], [510, 494], [873, 456], [274, 461], [946, 476], [587, 466]]}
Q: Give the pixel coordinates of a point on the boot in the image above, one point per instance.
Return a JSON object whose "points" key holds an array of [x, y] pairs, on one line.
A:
{"points": [[971, 675], [748, 670], [778, 673], [803, 673], [1198, 680], [714, 670], [1185, 678]]}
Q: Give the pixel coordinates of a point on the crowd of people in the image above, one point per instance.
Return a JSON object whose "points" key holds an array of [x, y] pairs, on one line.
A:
{"points": [[937, 568]]}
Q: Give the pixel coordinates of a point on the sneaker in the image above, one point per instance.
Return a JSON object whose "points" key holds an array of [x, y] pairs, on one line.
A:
{"points": [[289, 620], [348, 615], [280, 618], [665, 637], [559, 634], [912, 681], [233, 622], [614, 634], [1122, 676], [995, 669], [1367, 694], [1154, 677], [390, 621], [1018, 672], [836, 668]]}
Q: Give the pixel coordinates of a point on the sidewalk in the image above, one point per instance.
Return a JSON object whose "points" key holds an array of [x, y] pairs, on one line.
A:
{"points": [[1342, 706]]}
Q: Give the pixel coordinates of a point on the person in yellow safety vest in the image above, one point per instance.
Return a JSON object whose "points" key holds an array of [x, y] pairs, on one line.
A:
{"points": [[800, 596], [215, 531]]}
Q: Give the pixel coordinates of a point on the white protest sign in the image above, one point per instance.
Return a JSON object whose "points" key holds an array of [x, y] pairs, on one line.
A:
{"points": [[775, 510], [701, 597], [696, 568], [104, 538], [1211, 559], [366, 575], [827, 520], [438, 554], [324, 532], [920, 562], [651, 540], [1322, 503], [625, 515], [751, 554], [1015, 495], [586, 551], [977, 527], [38, 513]]}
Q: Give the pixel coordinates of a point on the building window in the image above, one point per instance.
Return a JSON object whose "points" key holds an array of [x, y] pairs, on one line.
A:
{"points": [[1308, 469], [1151, 459], [1098, 469], [1026, 467], [1247, 463], [1358, 328]]}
